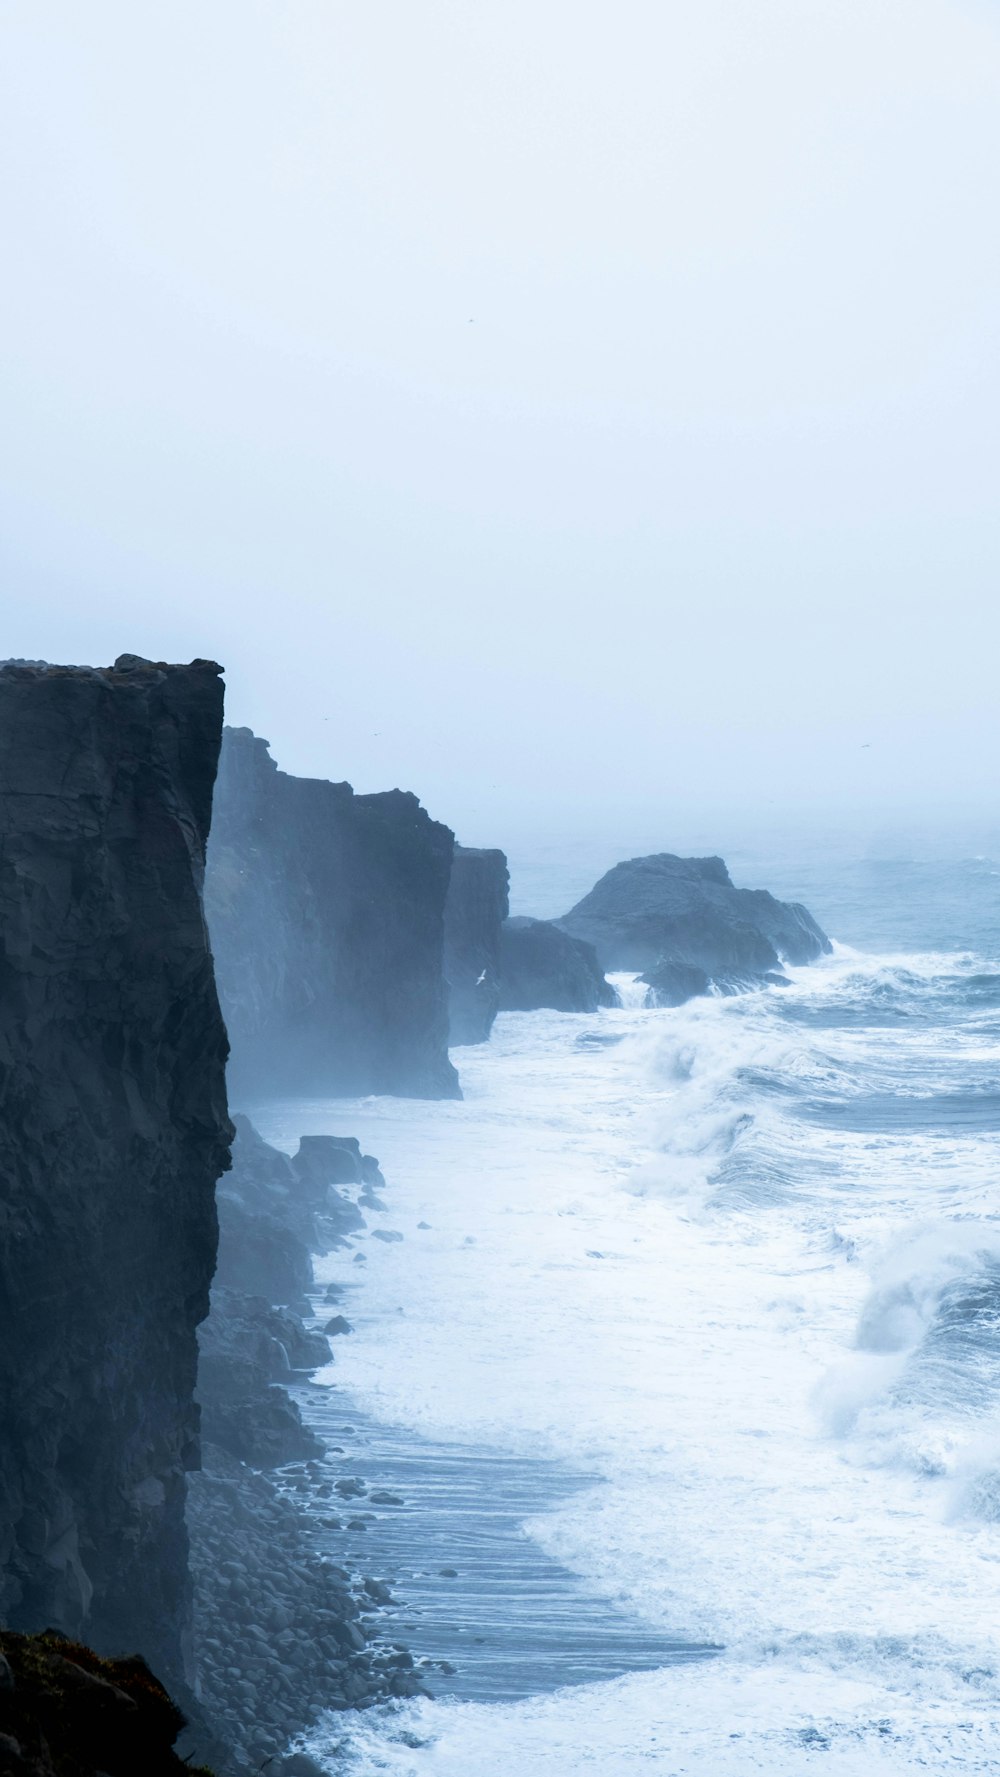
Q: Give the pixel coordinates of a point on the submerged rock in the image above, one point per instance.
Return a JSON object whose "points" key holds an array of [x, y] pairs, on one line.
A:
{"points": [[114, 1131], [473, 917], [542, 966], [682, 923], [327, 917]]}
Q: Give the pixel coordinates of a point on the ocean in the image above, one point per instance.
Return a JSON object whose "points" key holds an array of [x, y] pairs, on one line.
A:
{"points": [[702, 1309]]}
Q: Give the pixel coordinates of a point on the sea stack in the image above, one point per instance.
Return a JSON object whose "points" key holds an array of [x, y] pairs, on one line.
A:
{"points": [[681, 921], [114, 1132], [326, 911]]}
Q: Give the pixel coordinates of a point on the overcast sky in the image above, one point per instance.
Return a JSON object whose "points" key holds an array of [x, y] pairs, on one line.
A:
{"points": [[553, 406]]}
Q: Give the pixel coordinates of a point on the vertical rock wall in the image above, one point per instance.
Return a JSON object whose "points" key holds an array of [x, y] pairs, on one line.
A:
{"points": [[474, 914], [327, 917], [113, 1132]]}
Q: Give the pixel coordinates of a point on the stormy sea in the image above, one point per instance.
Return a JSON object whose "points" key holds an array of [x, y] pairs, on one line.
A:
{"points": [[681, 1387]]}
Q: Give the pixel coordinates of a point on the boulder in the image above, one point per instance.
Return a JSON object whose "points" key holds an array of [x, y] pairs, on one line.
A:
{"points": [[682, 922], [543, 966]]}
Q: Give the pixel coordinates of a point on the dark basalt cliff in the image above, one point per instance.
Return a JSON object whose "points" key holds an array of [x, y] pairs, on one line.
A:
{"points": [[540, 965], [327, 917], [682, 920], [113, 1133], [473, 919]]}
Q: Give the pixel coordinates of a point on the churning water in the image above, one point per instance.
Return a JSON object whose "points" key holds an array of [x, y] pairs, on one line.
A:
{"points": [[735, 1268]]}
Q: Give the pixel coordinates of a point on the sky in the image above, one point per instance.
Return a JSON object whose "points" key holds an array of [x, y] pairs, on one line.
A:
{"points": [[575, 412]]}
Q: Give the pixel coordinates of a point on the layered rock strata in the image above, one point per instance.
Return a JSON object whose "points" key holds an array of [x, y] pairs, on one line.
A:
{"points": [[473, 921], [682, 923], [542, 966], [327, 918], [113, 1134]]}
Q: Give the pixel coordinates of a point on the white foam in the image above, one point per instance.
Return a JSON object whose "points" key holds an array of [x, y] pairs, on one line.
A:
{"points": [[725, 1365]]}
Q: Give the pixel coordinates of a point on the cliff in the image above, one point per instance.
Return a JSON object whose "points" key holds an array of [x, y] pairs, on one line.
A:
{"points": [[540, 965], [473, 919], [113, 1134], [327, 917], [684, 919]]}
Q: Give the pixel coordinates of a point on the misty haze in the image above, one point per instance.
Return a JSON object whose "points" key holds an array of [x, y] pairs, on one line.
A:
{"points": [[499, 863]]}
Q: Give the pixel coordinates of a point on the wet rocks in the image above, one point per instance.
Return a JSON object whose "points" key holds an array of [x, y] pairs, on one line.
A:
{"points": [[278, 1632], [542, 966], [671, 917]]}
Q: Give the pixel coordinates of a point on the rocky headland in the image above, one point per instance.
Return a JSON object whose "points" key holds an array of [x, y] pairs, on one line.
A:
{"points": [[326, 911], [114, 1132], [683, 925], [543, 966], [473, 920]]}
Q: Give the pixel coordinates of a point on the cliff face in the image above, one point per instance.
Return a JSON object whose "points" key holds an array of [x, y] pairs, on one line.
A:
{"points": [[684, 918], [473, 920], [543, 966], [113, 1133], [327, 917]]}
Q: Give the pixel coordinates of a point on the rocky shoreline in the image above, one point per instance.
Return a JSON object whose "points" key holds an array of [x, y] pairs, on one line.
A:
{"points": [[282, 1631]]}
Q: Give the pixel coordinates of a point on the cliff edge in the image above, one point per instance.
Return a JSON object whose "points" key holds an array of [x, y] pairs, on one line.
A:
{"points": [[327, 917], [114, 1130], [473, 922]]}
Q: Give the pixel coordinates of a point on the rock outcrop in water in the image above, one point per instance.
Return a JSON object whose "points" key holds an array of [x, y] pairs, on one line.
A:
{"points": [[542, 966], [683, 923], [114, 1132], [327, 917], [473, 919]]}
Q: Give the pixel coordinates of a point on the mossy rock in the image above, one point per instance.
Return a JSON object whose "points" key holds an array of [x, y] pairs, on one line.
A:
{"points": [[67, 1712]]}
